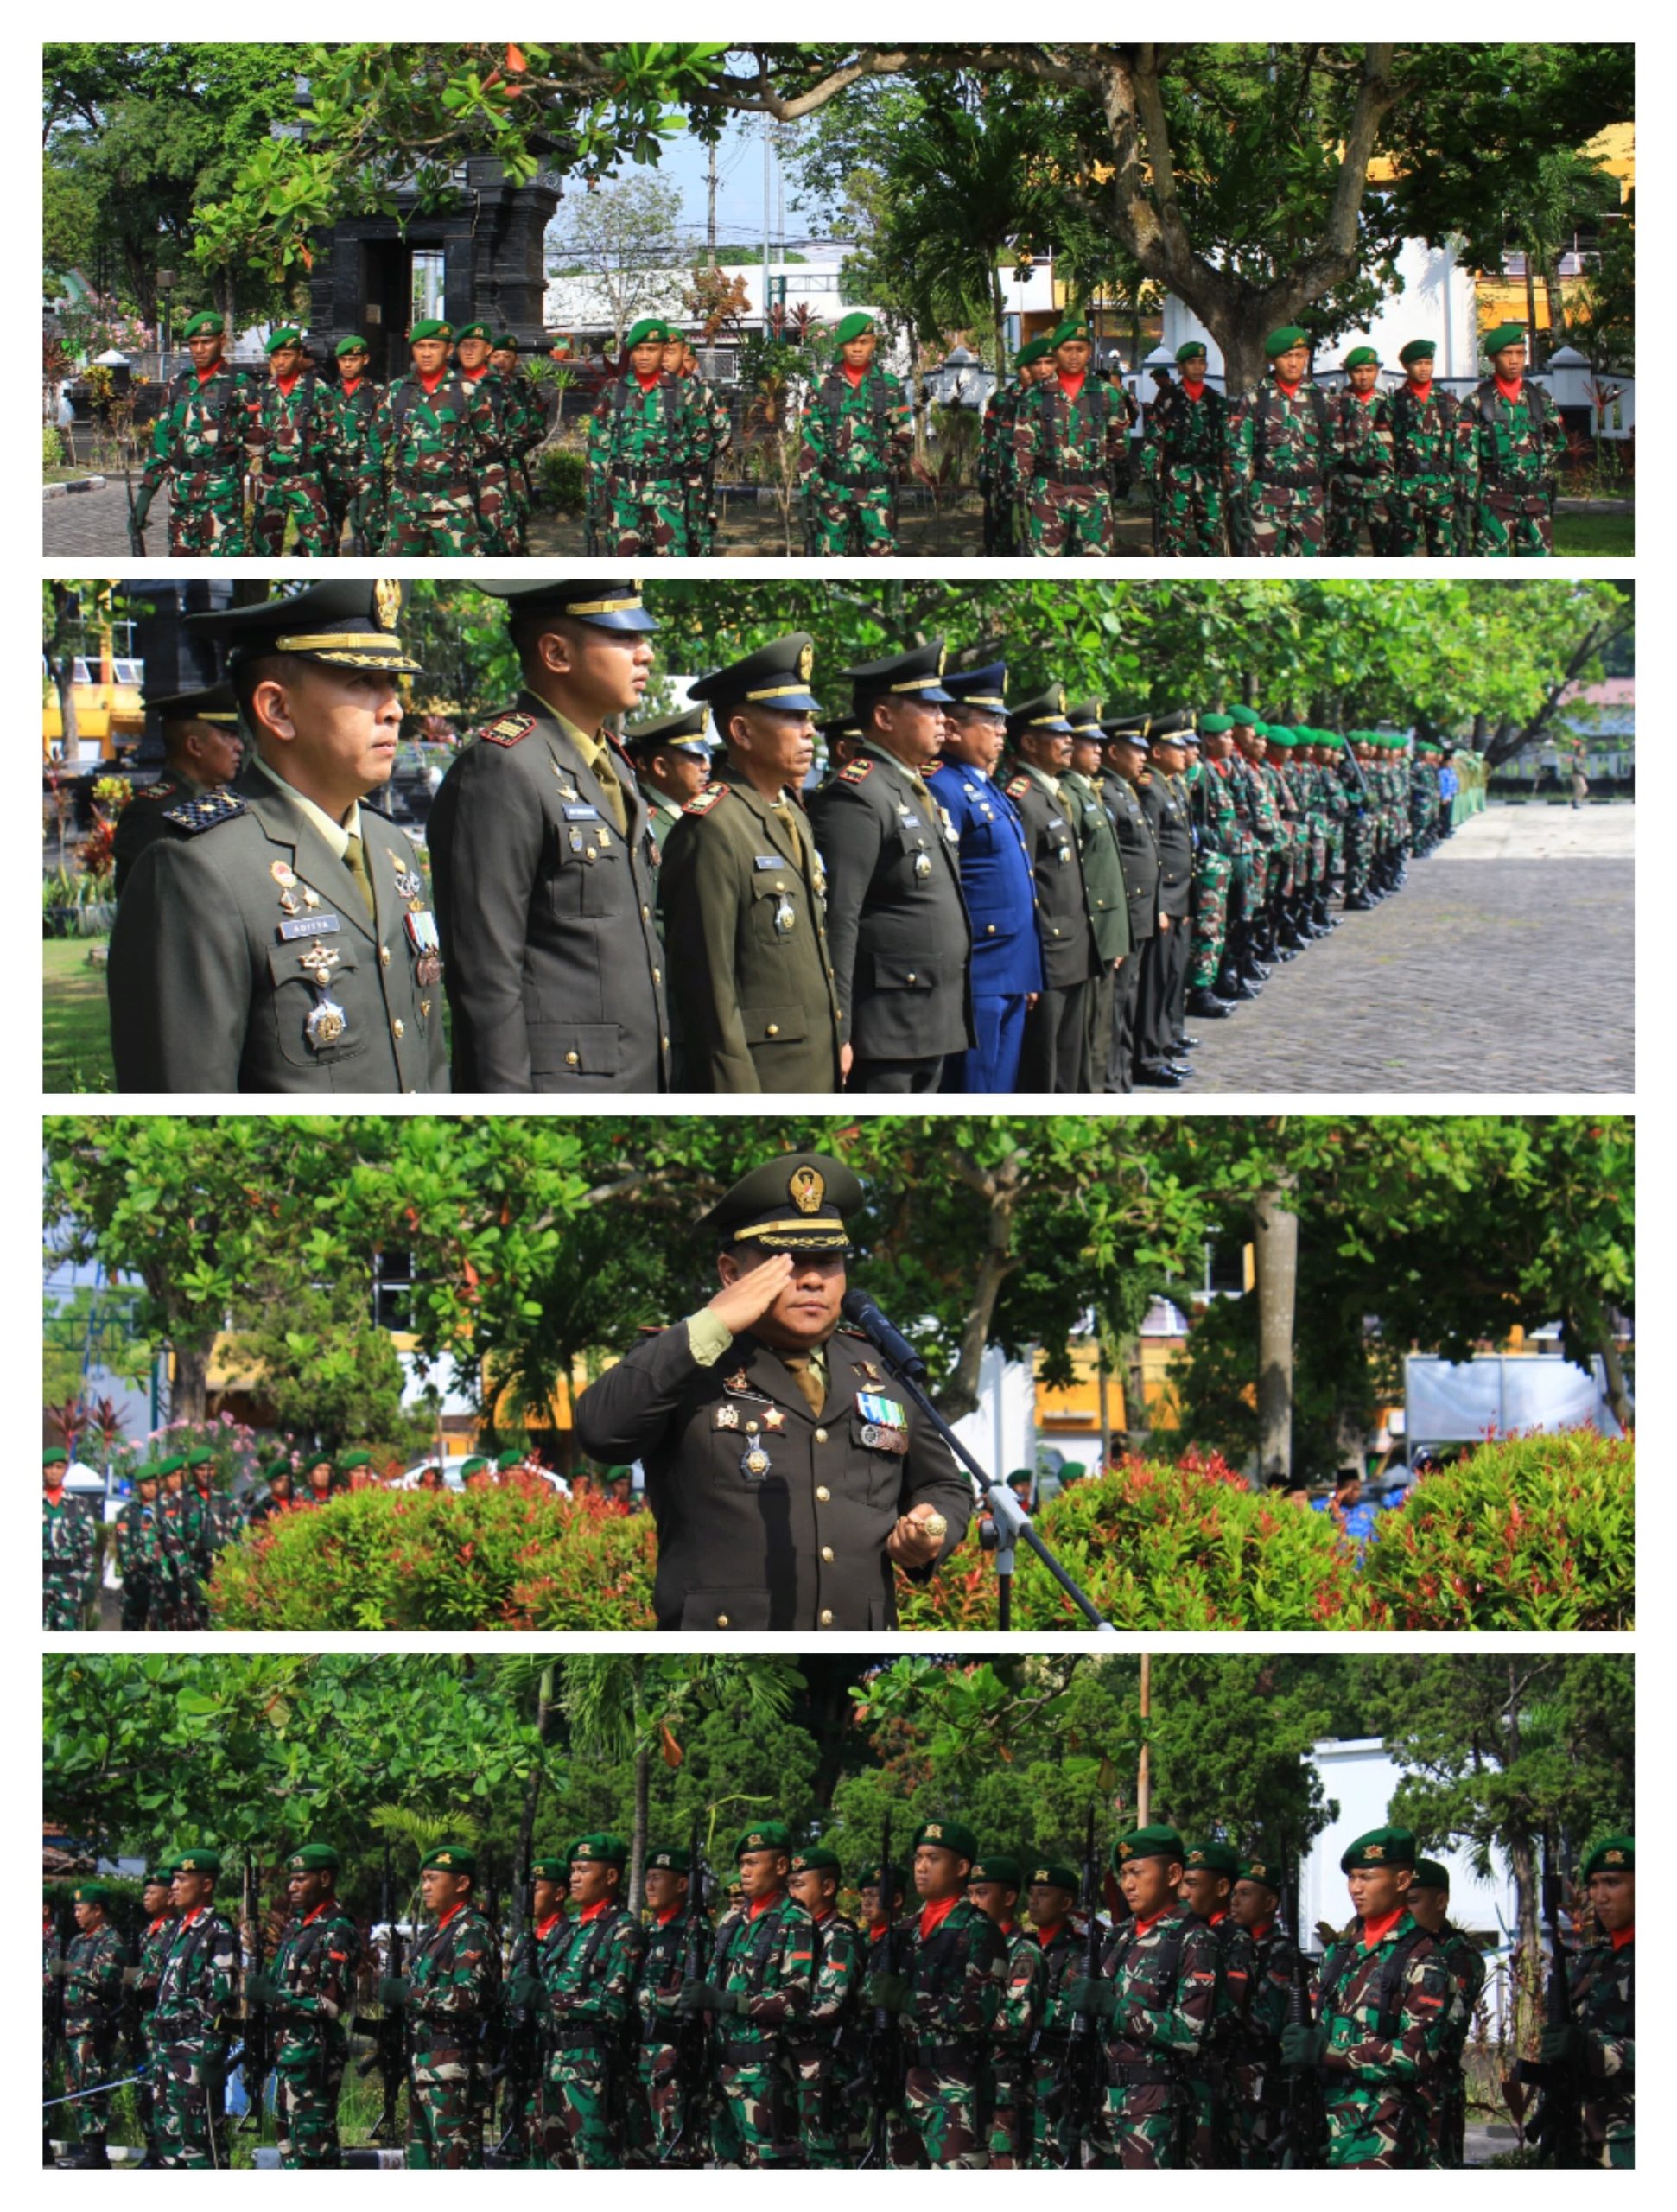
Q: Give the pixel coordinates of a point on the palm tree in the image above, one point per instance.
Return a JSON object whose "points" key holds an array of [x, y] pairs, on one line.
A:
{"points": [[1568, 189]]}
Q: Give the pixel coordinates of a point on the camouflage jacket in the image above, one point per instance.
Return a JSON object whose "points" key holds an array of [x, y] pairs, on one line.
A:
{"points": [[1467, 1970], [713, 424], [69, 1539], [524, 415], [219, 1523], [857, 436], [1237, 1971], [440, 442], [1273, 1953], [1183, 432], [455, 1971], [770, 1962], [496, 390], [840, 1970], [1166, 1978], [591, 1969], [314, 1963], [1362, 467], [296, 433], [1254, 800], [358, 417], [954, 1976], [1277, 443], [652, 435], [1060, 439], [154, 1949], [1425, 462], [1216, 818], [995, 442], [196, 1988], [663, 1966], [93, 1969], [1604, 2006], [139, 1542], [1507, 450], [1022, 1984], [1386, 2024], [203, 427], [1062, 1960]]}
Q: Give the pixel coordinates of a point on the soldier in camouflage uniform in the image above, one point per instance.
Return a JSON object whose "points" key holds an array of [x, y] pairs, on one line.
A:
{"points": [[993, 1887], [219, 1522], [308, 1990], [857, 439], [996, 481], [435, 446], [713, 435], [948, 1994], [1360, 487], [1360, 823], [642, 442], [1223, 822], [672, 2135], [591, 1968], [69, 1547], [760, 1987], [355, 486], [1601, 2045], [1156, 1998], [198, 444], [1425, 465], [1255, 795], [94, 1966], [1185, 452], [1509, 438], [1061, 1948], [452, 1991], [1382, 2010], [822, 2045], [525, 417], [1446, 2092], [296, 452], [186, 2033], [1260, 2086], [1208, 1882], [1280, 457], [1222, 872], [154, 1940], [140, 1562], [474, 351], [1071, 451]]}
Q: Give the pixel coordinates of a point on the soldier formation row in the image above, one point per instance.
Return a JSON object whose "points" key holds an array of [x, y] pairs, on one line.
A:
{"points": [[1190, 2031], [439, 461], [640, 916]]}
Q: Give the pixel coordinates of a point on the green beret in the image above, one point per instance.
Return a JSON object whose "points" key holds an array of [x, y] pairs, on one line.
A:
{"points": [[550, 1870], [650, 330], [92, 1893], [1193, 350], [350, 1460], [469, 1467], [313, 1858], [145, 1473], [816, 1859], [205, 324], [451, 1859], [199, 1861], [1261, 1870], [883, 1878], [353, 343], [948, 1835], [1284, 340], [1212, 1858], [1158, 1841], [474, 330], [56, 1456], [276, 1468], [1279, 734], [1614, 1854], [1069, 331], [1378, 1847], [677, 1860], [994, 1869], [157, 1873], [1215, 725], [287, 335], [200, 1456], [430, 326], [1031, 353], [767, 1835], [1505, 334], [600, 1849], [1361, 357], [1055, 1874], [513, 1457], [1429, 1875], [856, 324], [1243, 718], [1418, 349], [506, 343]]}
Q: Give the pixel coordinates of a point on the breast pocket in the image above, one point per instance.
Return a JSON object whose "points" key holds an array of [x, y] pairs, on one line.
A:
{"points": [[778, 915], [316, 1017], [586, 864]]}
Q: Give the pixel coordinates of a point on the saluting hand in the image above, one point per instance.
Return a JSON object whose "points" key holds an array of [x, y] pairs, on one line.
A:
{"points": [[911, 1543], [748, 1298]]}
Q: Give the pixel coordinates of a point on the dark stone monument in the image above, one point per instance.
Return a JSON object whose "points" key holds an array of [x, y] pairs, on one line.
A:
{"points": [[493, 266], [176, 659]]}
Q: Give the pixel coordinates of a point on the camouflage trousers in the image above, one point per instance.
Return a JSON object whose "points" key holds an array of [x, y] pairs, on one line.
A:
{"points": [[1001, 506], [1146, 2127], [188, 2081], [1353, 508], [207, 513], [1251, 884], [1259, 2109], [1011, 2084], [577, 2123], [1213, 872], [1061, 518], [445, 2118], [1319, 835], [309, 2083], [645, 518], [1423, 519], [60, 1600], [701, 518], [136, 1603], [1375, 2126], [1055, 2141], [1286, 521], [437, 520], [829, 2107], [1446, 2114], [760, 2110], [1359, 853], [1188, 514], [851, 519], [279, 497], [88, 2057], [1210, 2126], [1503, 526], [940, 2123]]}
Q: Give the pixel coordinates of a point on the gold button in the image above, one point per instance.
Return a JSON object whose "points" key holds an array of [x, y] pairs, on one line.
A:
{"points": [[646, 913], [1057, 929], [665, 1041], [826, 1554], [911, 979], [750, 1428], [778, 885], [573, 1059], [384, 955], [822, 1494], [821, 1436], [990, 930], [827, 1620], [721, 1620], [425, 1008], [658, 974], [774, 1029], [397, 1026]]}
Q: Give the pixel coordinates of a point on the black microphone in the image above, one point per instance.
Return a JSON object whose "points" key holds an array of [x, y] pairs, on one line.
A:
{"points": [[860, 1308]]}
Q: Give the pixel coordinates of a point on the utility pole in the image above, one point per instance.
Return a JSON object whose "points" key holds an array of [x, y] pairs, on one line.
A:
{"points": [[1143, 1770], [710, 216], [766, 226]]}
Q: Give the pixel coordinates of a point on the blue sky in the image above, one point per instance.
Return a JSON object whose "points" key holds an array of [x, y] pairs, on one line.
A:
{"points": [[740, 188]]}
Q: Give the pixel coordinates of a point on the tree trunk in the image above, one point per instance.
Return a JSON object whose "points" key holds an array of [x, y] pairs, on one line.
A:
{"points": [[1557, 305], [1531, 297], [1001, 1187], [997, 323], [189, 1386], [643, 1791], [1618, 1394], [1275, 1230]]}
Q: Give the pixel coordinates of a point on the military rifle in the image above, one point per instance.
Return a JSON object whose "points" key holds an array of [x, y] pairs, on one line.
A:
{"points": [[258, 2025], [692, 2040], [389, 2030], [521, 2046], [1302, 2128], [1557, 2126], [1081, 2083], [1357, 765], [884, 2049], [136, 528]]}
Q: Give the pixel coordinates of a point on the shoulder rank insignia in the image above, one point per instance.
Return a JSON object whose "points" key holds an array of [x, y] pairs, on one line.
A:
{"points": [[193, 815], [508, 729], [1017, 786], [161, 789], [857, 770], [702, 802]]}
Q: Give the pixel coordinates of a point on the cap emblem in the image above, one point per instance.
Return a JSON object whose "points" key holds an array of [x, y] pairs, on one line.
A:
{"points": [[806, 1190]]}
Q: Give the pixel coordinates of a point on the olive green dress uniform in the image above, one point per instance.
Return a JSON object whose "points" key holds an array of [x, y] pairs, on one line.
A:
{"points": [[1164, 988], [773, 1511], [897, 924], [140, 821], [1138, 854], [1054, 1056], [1103, 886], [754, 997], [247, 955], [547, 891]]}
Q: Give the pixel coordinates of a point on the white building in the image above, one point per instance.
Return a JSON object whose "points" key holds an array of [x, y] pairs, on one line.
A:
{"points": [[582, 304]]}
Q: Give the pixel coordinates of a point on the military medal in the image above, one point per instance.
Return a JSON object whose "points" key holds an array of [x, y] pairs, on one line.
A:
{"points": [[429, 971], [281, 873], [290, 903], [727, 1417], [773, 1418], [328, 1022], [310, 896], [738, 1381], [576, 841], [785, 916], [754, 1463], [922, 866]]}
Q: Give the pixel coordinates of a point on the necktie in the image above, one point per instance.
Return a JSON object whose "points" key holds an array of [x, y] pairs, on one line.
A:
{"points": [[786, 813], [355, 862], [801, 1366], [610, 790]]}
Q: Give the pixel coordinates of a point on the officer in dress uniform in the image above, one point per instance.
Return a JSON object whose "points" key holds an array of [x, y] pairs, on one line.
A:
{"points": [[671, 759], [280, 938], [202, 750], [995, 877], [787, 1476], [1164, 979], [1057, 1029], [1125, 753]]}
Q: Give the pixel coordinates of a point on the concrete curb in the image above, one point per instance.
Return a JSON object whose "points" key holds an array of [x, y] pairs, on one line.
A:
{"points": [[81, 484]]}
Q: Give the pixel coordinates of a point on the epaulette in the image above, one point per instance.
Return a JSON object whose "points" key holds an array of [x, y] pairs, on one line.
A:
{"points": [[860, 1335], [193, 815], [507, 729], [161, 789], [1017, 786], [702, 802], [857, 770]]}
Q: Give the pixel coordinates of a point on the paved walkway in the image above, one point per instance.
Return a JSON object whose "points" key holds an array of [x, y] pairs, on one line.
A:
{"points": [[1506, 963]]}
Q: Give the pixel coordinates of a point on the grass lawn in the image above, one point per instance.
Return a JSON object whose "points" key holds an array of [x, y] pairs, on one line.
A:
{"points": [[1603, 536], [75, 1032]]}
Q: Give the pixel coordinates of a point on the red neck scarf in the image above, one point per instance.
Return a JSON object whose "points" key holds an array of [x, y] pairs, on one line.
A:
{"points": [[1193, 390], [345, 385], [1365, 396], [933, 1916], [1045, 1936], [854, 376], [431, 378], [646, 382], [542, 1927], [1511, 391], [204, 375], [54, 1497], [286, 385], [444, 1918], [593, 1911], [1215, 1918], [1418, 391], [312, 1916], [1071, 386], [758, 1906], [1151, 1921], [1289, 390], [1374, 1932], [1259, 1933], [474, 375], [1621, 1936]]}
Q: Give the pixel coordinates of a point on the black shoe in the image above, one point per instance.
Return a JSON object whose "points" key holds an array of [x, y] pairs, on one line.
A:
{"points": [[1206, 1006], [1185, 1044], [1160, 1078], [1236, 988], [1358, 902], [87, 2156]]}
